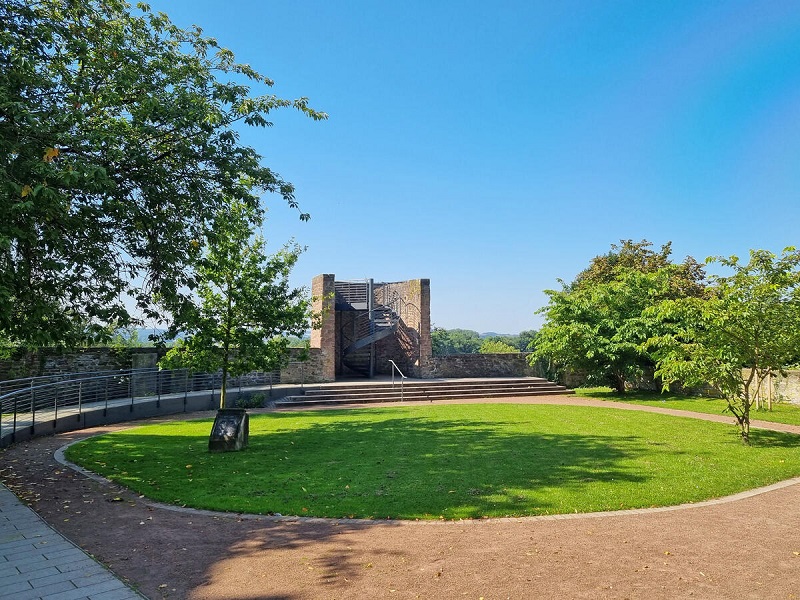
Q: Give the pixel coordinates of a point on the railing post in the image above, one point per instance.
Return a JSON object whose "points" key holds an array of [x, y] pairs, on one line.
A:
{"points": [[105, 408], [80, 399], [158, 389], [186, 390], [14, 422], [55, 407], [33, 408]]}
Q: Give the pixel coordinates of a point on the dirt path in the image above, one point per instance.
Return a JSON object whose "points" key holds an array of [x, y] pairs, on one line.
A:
{"points": [[748, 548]]}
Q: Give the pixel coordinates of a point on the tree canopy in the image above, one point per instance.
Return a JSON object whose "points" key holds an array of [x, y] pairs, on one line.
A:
{"points": [[597, 324], [494, 346], [454, 341], [118, 146]]}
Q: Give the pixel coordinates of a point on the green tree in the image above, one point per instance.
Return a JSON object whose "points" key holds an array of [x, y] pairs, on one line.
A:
{"points": [[745, 330], [245, 308], [118, 143], [492, 346], [597, 324], [526, 340], [454, 341], [687, 278]]}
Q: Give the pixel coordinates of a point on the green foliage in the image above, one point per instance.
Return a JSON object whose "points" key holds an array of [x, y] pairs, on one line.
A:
{"points": [[492, 346], [293, 341], [687, 278], [253, 401], [745, 330], [118, 145], [526, 340], [598, 323], [244, 306], [454, 341], [444, 461]]}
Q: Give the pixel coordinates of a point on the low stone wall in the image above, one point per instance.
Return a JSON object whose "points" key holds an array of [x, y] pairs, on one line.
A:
{"points": [[301, 371], [55, 361], [481, 365], [787, 389]]}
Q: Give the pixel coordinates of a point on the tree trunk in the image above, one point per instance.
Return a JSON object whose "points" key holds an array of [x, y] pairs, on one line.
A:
{"points": [[226, 345], [224, 387], [618, 383]]}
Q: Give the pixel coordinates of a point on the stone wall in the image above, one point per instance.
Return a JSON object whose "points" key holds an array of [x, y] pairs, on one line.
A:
{"points": [[481, 365], [786, 389], [54, 361], [311, 370]]}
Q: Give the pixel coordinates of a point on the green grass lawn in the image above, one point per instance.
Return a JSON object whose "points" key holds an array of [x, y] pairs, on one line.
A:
{"points": [[782, 412], [444, 461]]}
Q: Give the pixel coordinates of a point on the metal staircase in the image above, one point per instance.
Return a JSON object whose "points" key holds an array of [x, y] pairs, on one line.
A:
{"points": [[370, 327]]}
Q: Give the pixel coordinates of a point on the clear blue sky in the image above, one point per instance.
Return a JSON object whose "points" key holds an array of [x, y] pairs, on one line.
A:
{"points": [[496, 147]]}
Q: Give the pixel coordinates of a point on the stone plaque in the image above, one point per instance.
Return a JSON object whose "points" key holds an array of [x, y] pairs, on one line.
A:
{"points": [[231, 430]]}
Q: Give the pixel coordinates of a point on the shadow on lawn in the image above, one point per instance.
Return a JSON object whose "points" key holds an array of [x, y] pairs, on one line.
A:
{"points": [[392, 467]]}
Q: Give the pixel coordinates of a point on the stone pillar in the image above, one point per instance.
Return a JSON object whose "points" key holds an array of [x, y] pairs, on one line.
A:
{"points": [[425, 351], [324, 337]]}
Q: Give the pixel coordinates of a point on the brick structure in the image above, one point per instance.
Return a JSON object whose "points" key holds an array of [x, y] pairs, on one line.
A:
{"points": [[366, 324], [323, 337]]}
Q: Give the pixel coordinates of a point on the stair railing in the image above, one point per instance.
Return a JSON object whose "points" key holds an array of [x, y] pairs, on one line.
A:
{"points": [[402, 377]]}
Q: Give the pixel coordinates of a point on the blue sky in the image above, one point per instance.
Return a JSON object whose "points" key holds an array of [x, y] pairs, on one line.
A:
{"points": [[497, 148]]}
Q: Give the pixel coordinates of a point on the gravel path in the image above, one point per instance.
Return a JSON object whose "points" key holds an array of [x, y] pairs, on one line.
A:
{"points": [[747, 547]]}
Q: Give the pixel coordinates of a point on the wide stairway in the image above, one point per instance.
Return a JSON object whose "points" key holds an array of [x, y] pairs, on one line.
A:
{"points": [[423, 389]]}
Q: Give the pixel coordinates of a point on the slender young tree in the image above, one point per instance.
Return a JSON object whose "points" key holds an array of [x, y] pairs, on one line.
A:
{"points": [[244, 307], [746, 330]]}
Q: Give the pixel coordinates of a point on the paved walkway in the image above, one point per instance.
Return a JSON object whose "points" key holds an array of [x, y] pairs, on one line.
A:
{"points": [[36, 562]]}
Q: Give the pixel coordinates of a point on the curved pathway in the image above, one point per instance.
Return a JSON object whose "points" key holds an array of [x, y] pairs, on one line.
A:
{"points": [[747, 548]]}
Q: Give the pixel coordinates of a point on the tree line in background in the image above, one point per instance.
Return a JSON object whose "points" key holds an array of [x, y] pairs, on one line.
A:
{"points": [[466, 341], [634, 309], [122, 176]]}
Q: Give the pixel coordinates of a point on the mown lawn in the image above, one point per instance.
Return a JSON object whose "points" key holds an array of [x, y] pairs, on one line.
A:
{"points": [[782, 412], [444, 461]]}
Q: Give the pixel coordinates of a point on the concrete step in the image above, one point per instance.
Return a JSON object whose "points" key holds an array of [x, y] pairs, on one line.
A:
{"points": [[438, 390], [429, 383]]}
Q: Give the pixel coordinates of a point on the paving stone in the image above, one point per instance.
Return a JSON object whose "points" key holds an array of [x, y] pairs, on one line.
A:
{"points": [[43, 572], [82, 563], [120, 594], [8, 569], [87, 590], [54, 590], [14, 589], [56, 577], [37, 562]]}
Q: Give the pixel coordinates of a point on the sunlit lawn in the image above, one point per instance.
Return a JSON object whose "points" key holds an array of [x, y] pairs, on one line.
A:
{"points": [[782, 412], [447, 461]]}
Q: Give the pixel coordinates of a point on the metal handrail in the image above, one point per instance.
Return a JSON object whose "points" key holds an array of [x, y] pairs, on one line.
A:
{"points": [[79, 394], [402, 377]]}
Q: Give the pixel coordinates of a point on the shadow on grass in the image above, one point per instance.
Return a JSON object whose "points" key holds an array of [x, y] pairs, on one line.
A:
{"points": [[373, 466]]}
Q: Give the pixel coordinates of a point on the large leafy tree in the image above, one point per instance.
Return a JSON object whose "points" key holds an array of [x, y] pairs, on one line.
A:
{"points": [[747, 329], [244, 307], [596, 324], [118, 145]]}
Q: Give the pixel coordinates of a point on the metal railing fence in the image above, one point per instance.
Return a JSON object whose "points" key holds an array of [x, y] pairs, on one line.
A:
{"points": [[26, 402]]}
